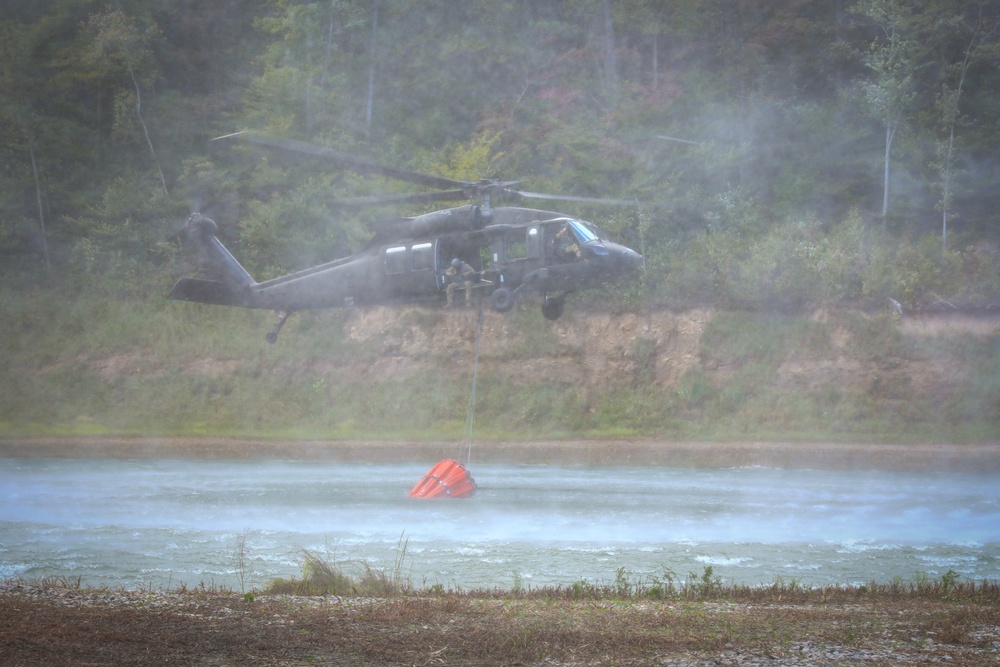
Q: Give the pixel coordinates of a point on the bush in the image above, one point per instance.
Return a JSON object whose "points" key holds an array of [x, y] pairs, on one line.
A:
{"points": [[741, 260], [910, 273], [319, 577]]}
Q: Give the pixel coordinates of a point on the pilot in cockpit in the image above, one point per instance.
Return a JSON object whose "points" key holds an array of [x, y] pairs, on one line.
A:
{"points": [[567, 246]]}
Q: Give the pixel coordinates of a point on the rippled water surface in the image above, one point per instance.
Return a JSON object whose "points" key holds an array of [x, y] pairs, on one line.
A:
{"points": [[163, 522]]}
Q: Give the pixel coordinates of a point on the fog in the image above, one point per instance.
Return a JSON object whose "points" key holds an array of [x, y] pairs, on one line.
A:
{"points": [[163, 522]]}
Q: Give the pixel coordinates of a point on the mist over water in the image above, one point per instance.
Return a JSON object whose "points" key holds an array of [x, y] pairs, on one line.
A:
{"points": [[163, 522]]}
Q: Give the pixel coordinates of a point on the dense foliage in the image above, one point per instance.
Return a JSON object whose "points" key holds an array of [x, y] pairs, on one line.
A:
{"points": [[786, 152]]}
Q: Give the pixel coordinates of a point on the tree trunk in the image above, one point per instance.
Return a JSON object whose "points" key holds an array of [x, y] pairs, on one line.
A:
{"points": [[41, 208], [610, 57], [371, 76], [656, 60], [142, 121], [889, 132]]}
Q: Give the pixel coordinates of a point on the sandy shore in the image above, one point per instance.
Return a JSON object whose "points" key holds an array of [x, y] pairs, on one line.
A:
{"points": [[982, 457]]}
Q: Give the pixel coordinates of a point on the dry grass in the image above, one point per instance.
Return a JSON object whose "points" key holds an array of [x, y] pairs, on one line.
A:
{"points": [[59, 624]]}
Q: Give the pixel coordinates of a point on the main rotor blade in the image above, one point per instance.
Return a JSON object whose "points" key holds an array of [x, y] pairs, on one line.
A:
{"points": [[446, 195], [352, 161], [589, 200], [677, 139], [454, 190]]}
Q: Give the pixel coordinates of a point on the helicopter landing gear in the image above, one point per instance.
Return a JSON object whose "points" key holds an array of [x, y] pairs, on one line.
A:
{"points": [[502, 300], [283, 315], [552, 307]]}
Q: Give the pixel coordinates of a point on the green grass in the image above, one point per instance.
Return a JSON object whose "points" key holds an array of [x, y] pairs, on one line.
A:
{"points": [[75, 364], [761, 338]]}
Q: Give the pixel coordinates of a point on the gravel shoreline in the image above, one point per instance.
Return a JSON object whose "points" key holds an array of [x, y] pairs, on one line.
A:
{"points": [[52, 625]]}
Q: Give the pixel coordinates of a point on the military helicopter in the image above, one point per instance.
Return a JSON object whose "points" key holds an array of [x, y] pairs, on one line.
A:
{"points": [[507, 252]]}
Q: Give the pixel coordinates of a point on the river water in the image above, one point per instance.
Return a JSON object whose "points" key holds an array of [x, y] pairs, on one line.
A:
{"points": [[159, 523]]}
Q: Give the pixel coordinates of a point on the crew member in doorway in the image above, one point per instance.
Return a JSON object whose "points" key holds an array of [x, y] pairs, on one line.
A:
{"points": [[459, 272]]}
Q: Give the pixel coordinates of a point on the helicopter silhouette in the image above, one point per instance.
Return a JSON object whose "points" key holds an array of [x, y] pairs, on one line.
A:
{"points": [[506, 252]]}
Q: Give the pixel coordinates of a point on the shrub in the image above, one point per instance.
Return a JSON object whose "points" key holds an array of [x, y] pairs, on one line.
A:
{"points": [[910, 273]]}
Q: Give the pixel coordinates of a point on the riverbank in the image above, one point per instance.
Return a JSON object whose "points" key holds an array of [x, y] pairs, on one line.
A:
{"points": [[405, 373], [930, 457], [55, 624]]}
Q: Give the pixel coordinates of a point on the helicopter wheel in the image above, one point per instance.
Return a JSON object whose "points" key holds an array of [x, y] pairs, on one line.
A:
{"points": [[502, 300], [552, 307]]}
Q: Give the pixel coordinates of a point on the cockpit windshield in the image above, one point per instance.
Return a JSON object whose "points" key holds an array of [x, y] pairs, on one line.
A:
{"points": [[584, 231]]}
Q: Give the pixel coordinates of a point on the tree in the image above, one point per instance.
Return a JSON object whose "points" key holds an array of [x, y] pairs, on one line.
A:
{"points": [[976, 30], [372, 67], [17, 116], [891, 89], [117, 47]]}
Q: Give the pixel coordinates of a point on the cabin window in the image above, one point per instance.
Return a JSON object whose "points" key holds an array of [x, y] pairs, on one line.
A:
{"points": [[516, 246], [395, 260], [534, 246], [422, 257]]}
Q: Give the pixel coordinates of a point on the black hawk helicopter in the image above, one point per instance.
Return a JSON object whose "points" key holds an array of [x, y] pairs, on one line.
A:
{"points": [[506, 252]]}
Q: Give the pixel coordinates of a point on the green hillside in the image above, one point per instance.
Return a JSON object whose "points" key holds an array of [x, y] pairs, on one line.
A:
{"points": [[813, 181], [105, 366]]}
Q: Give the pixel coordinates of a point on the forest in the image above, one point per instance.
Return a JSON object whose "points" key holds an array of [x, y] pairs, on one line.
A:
{"points": [[783, 154], [812, 179]]}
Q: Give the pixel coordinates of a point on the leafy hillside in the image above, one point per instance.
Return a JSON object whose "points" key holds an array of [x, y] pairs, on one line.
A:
{"points": [[788, 159], [785, 153]]}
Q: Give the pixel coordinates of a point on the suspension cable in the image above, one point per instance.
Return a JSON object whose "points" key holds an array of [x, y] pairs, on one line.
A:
{"points": [[470, 414]]}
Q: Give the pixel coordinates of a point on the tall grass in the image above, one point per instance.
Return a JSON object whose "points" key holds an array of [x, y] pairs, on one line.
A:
{"points": [[323, 576]]}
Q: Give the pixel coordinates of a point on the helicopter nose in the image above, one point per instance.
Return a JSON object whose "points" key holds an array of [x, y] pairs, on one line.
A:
{"points": [[632, 260]]}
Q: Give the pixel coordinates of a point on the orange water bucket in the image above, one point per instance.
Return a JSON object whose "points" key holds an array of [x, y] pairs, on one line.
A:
{"points": [[447, 479]]}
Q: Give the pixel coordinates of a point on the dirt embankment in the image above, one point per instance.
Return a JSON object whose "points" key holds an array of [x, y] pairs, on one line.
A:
{"points": [[582, 350], [593, 349], [698, 367], [588, 351]]}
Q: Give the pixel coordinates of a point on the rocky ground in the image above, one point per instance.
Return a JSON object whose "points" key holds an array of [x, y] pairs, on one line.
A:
{"points": [[58, 624]]}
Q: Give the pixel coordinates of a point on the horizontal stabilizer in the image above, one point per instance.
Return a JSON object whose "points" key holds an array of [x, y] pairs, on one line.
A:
{"points": [[207, 291]]}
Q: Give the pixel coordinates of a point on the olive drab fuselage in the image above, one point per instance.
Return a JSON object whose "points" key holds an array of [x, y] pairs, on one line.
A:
{"points": [[512, 250]]}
